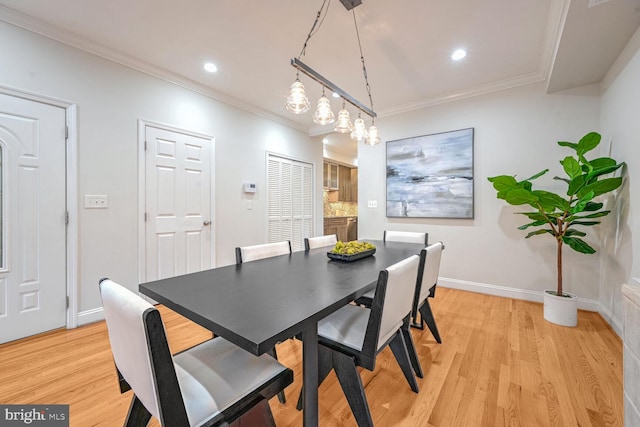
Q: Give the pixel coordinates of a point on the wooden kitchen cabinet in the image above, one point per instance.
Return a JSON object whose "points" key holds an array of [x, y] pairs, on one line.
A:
{"points": [[344, 187], [337, 226], [354, 184], [330, 173]]}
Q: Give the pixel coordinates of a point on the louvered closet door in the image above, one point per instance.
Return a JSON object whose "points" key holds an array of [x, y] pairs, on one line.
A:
{"points": [[290, 206]]}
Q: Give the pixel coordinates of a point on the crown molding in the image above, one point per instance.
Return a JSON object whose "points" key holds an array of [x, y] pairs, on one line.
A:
{"points": [[37, 26], [523, 80]]}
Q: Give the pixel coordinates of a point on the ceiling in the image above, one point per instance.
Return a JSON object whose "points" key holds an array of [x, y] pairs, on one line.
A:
{"points": [[407, 45]]}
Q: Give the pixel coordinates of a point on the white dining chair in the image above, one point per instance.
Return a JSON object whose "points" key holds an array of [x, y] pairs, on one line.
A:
{"points": [[353, 336], [395, 236], [320, 241], [266, 250], [426, 288], [213, 383], [258, 252], [406, 237]]}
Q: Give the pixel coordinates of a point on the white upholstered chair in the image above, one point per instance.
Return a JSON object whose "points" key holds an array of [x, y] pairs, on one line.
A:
{"points": [[426, 288], [266, 250], [406, 237], [213, 383], [395, 236], [257, 252], [320, 241], [353, 336]]}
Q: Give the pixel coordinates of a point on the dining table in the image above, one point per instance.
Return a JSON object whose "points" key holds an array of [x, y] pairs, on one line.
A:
{"points": [[257, 304]]}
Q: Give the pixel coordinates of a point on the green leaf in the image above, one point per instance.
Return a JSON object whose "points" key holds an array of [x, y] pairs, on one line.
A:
{"points": [[558, 178], [537, 232], [503, 183], [539, 174], [572, 145], [574, 232], [548, 199], [595, 215], [588, 142], [592, 206], [571, 166], [520, 197], [602, 162], [533, 224], [582, 203], [602, 171], [601, 187], [578, 245], [535, 216], [575, 185], [585, 223]]}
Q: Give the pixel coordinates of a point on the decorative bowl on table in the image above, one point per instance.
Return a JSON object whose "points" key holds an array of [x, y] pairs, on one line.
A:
{"points": [[351, 251]]}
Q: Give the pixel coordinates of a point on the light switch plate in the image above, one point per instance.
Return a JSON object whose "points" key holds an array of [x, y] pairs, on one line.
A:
{"points": [[96, 201], [372, 204]]}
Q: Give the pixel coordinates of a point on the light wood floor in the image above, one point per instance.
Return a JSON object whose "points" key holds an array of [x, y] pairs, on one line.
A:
{"points": [[499, 364]]}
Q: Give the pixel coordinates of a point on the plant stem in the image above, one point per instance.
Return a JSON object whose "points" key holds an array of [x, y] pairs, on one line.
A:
{"points": [[560, 292]]}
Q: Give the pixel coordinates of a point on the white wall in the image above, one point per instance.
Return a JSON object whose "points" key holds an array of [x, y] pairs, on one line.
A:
{"points": [[110, 99], [516, 132], [621, 126]]}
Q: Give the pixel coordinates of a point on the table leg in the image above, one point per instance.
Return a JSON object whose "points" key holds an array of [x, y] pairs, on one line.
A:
{"points": [[310, 375]]}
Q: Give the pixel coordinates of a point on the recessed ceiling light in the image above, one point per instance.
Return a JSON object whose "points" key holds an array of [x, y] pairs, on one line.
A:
{"points": [[336, 95], [459, 54], [210, 67]]}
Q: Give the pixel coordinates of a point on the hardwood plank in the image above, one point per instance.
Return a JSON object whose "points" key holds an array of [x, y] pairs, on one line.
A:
{"points": [[499, 364]]}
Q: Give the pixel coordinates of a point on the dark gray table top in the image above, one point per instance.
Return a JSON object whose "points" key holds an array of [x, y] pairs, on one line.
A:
{"points": [[259, 303]]}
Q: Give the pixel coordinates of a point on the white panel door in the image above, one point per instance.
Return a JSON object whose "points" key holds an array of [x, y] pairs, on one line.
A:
{"points": [[33, 287], [178, 203]]}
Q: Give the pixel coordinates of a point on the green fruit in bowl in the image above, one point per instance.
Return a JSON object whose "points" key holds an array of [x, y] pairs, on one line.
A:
{"points": [[352, 248]]}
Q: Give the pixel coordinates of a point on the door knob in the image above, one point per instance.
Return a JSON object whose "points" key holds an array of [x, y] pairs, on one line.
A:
{"points": [[206, 223]]}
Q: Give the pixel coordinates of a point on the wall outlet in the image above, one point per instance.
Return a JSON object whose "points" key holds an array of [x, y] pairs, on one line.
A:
{"points": [[372, 204], [96, 201]]}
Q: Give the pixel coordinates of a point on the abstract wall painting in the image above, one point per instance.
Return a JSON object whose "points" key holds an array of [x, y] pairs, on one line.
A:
{"points": [[431, 176]]}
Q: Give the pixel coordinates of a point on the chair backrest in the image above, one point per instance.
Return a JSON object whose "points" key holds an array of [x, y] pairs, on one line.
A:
{"points": [[267, 250], [320, 241], [140, 350], [406, 237], [428, 276], [392, 302]]}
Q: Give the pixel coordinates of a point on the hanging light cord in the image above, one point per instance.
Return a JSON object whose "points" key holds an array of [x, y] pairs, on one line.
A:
{"points": [[364, 67], [315, 23]]}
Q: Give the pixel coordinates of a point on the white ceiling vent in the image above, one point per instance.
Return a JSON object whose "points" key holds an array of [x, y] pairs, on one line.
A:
{"points": [[593, 3]]}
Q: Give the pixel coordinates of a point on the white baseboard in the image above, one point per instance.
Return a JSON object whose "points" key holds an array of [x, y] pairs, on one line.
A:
{"points": [[527, 295], [90, 316]]}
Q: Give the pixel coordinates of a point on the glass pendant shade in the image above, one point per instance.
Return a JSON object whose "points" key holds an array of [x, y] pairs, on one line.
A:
{"points": [[344, 124], [359, 130], [373, 138], [323, 114], [297, 101]]}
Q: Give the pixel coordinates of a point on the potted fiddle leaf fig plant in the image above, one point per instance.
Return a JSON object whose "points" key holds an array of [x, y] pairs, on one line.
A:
{"points": [[566, 216]]}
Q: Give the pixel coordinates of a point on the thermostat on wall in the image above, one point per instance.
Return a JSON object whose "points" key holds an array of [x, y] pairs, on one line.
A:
{"points": [[249, 187]]}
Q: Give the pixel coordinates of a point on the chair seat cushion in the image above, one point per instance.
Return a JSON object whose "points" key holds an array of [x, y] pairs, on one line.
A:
{"points": [[216, 374], [346, 326]]}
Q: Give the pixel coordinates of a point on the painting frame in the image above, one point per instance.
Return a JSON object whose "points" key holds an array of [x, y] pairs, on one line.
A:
{"points": [[431, 176]]}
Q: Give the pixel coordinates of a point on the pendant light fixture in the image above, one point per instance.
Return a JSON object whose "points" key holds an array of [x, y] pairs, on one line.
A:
{"points": [[323, 114], [343, 124], [298, 103], [359, 130]]}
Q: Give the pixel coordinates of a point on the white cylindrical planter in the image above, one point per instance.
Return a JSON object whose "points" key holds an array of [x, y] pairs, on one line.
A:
{"points": [[560, 310]]}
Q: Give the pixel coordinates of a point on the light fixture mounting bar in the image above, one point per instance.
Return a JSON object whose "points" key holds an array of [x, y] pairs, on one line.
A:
{"points": [[350, 4], [301, 66]]}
